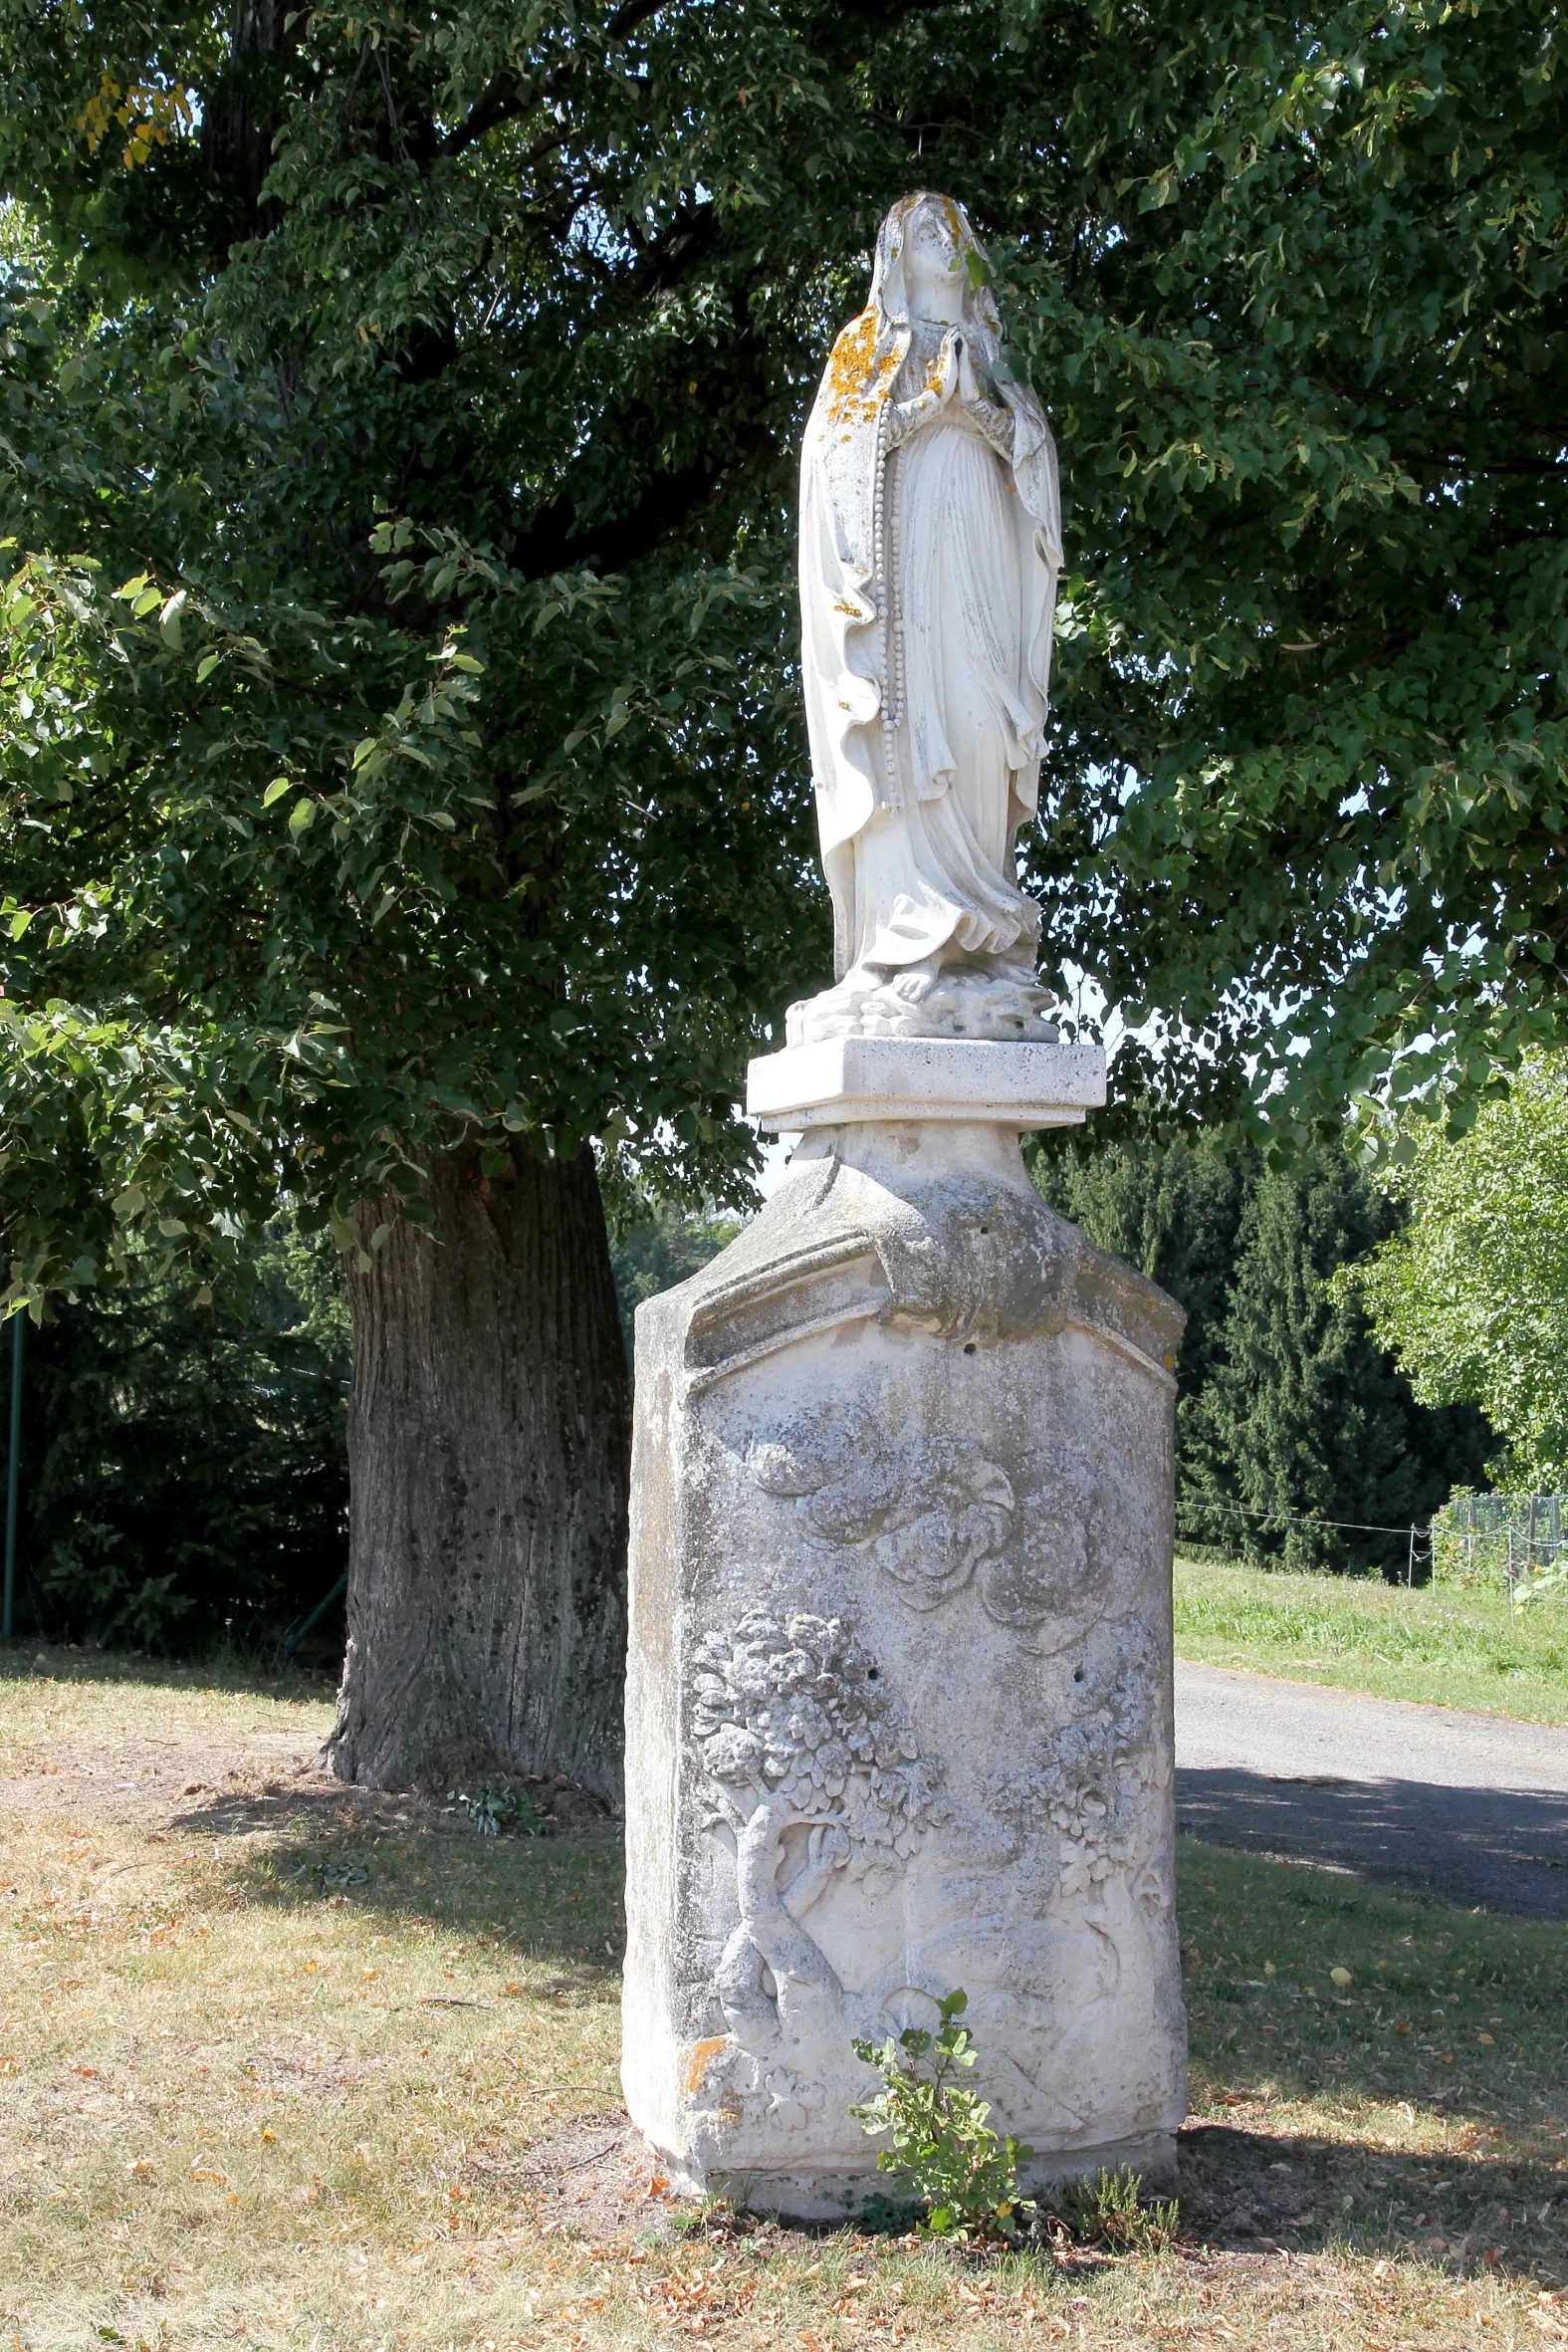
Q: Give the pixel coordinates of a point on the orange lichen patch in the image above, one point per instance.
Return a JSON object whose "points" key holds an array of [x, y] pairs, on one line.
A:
{"points": [[858, 378], [702, 2054]]}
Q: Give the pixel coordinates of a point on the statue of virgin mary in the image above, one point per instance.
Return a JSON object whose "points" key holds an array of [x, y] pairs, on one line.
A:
{"points": [[930, 547]]}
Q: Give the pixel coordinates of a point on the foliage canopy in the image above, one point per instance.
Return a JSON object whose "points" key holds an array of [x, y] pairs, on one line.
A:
{"points": [[1472, 1294], [183, 1481], [396, 718]]}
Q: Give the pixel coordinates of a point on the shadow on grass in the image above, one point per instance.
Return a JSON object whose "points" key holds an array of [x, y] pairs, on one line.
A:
{"points": [[1243, 2191], [1306, 1985], [405, 1858]]}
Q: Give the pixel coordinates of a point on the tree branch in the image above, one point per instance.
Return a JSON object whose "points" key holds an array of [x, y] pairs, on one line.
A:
{"points": [[509, 95]]}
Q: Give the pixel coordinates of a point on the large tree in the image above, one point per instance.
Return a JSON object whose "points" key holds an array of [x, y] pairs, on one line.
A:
{"points": [[1472, 1292], [403, 790]]}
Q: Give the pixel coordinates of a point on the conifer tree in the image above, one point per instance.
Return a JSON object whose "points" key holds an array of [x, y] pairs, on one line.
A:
{"points": [[1302, 1415], [1171, 1204], [1288, 1410]]}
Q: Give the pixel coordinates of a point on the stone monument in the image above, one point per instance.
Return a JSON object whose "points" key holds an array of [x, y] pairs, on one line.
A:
{"points": [[899, 1703]]}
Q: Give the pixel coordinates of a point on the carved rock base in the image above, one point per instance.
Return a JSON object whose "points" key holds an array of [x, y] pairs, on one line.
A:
{"points": [[899, 1708], [983, 1000]]}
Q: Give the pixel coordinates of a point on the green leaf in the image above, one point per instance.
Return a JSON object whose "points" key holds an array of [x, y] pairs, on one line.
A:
{"points": [[301, 817], [205, 667], [275, 790]]}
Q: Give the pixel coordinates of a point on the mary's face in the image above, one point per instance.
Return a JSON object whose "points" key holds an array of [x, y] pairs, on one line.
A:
{"points": [[933, 268]]}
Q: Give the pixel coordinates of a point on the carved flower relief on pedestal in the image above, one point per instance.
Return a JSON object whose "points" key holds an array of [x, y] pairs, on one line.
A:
{"points": [[936, 1512], [812, 1769], [1088, 1778]]}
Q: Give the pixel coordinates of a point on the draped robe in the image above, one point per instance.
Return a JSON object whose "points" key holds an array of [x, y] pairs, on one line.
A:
{"points": [[928, 583]]}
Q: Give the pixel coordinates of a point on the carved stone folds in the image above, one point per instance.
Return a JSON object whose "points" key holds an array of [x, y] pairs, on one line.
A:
{"points": [[899, 1713]]}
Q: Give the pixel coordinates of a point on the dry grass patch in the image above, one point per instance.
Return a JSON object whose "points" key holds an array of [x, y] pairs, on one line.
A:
{"points": [[288, 2066]]}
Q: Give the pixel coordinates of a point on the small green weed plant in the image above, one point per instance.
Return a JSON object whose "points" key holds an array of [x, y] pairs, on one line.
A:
{"points": [[333, 1870], [1106, 2212], [494, 1811], [942, 2146]]}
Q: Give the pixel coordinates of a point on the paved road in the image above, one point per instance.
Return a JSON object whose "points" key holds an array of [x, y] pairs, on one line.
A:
{"points": [[1472, 1808]]}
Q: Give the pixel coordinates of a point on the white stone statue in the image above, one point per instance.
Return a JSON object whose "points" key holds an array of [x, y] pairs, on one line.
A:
{"points": [[899, 1709], [929, 548]]}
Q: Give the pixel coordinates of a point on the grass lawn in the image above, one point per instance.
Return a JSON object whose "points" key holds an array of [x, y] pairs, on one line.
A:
{"points": [[1456, 1648], [288, 2065]]}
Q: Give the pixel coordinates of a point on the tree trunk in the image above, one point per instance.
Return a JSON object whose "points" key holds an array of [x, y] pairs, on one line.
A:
{"points": [[241, 107], [489, 1441]]}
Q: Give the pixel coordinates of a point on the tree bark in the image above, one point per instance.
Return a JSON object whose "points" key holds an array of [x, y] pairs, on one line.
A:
{"points": [[489, 1444], [240, 108]]}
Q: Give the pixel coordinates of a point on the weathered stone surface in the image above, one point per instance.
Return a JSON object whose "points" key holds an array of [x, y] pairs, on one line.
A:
{"points": [[840, 1081], [899, 1712]]}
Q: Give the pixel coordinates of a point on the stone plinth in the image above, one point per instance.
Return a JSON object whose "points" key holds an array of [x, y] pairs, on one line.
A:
{"points": [[899, 1712], [922, 1079]]}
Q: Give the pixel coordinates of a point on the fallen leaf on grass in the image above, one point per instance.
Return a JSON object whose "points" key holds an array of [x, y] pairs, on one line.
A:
{"points": [[699, 2298]]}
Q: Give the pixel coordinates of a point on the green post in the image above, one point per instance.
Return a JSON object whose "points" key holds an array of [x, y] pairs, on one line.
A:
{"points": [[13, 1474]]}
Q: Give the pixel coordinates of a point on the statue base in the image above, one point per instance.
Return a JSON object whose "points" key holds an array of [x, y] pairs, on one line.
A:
{"points": [[899, 1711], [844, 1081], [839, 2196]]}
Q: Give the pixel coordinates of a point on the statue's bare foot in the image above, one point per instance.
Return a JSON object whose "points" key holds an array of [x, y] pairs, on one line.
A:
{"points": [[911, 985]]}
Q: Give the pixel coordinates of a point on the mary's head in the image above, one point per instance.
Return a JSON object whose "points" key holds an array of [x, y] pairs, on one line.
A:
{"points": [[931, 266]]}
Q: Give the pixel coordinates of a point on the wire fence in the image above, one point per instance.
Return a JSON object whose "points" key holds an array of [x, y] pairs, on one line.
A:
{"points": [[1512, 1544], [1519, 1541], [1416, 1540]]}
